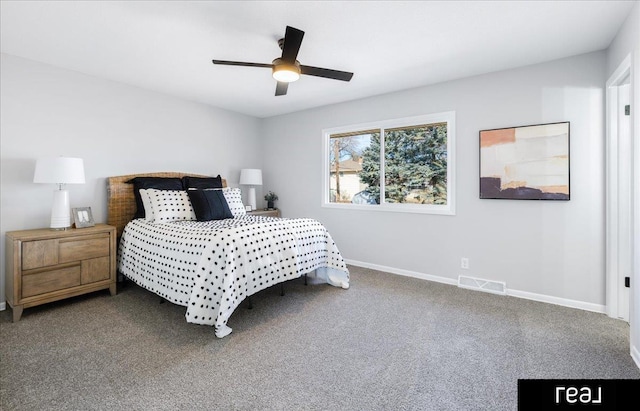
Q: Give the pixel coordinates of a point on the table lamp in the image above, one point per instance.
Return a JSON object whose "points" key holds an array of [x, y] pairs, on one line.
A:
{"points": [[251, 177], [60, 171]]}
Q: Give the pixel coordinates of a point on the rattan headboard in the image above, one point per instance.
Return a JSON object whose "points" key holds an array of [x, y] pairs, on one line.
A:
{"points": [[121, 202]]}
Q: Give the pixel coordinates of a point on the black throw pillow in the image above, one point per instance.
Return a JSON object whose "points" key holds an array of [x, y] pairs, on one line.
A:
{"points": [[209, 205], [201, 182], [159, 183]]}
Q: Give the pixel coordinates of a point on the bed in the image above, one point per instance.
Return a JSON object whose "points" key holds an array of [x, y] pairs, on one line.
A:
{"points": [[211, 266]]}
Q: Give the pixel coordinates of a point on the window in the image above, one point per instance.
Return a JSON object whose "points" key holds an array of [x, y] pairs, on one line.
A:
{"points": [[417, 158]]}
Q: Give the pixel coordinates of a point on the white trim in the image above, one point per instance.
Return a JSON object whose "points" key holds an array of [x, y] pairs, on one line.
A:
{"points": [[565, 302], [635, 354], [598, 308], [3, 306], [634, 297], [449, 209], [406, 273], [394, 208], [612, 244]]}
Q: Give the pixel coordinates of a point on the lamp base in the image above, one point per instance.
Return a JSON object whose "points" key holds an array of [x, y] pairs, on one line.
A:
{"points": [[60, 211], [252, 198]]}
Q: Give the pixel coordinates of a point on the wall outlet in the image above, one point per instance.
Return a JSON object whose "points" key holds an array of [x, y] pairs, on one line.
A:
{"points": [[464, 263]]}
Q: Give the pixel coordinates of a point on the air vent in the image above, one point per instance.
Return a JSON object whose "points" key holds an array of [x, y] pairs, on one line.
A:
{"points": [[494, 287]]}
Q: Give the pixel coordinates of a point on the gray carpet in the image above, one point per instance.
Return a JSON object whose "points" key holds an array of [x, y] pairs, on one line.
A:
{"points": [[387, 343]]}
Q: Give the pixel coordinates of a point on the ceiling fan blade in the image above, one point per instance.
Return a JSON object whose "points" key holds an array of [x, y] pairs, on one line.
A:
{"points": [[281, 88], [292, 41], [240, 63], [326, 73]]}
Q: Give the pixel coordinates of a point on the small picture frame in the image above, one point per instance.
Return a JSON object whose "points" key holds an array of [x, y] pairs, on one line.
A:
{"points": [[247, 208], [82, 217]]}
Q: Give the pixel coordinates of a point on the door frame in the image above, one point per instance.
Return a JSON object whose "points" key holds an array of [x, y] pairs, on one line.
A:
{"points": [[616, 263]]}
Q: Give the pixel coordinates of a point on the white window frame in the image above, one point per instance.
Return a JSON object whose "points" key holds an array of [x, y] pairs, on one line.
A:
{"points": [[448, 117]]}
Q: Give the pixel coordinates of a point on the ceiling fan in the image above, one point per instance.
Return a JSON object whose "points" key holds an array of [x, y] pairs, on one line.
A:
{"points": [[286, 68]]}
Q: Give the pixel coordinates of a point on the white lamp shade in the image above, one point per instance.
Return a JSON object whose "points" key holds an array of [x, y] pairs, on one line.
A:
{"points": [[59, 170], [251, 177]]}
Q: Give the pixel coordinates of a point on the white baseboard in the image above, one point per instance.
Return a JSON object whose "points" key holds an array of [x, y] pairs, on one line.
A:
{"points": [[565, 302], [405, 273], [3, 306], [514, 293], [635, 354]]}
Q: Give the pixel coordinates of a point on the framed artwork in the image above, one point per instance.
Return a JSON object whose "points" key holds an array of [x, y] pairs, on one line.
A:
{"points": [[525, 163], [82, 217]]}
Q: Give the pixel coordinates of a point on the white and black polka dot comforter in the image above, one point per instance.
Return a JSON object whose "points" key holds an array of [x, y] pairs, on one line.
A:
{"points": [[211, 266]]}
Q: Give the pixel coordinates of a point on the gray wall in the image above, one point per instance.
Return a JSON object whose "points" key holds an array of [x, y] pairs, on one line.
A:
{"points": [[546, 250], [117, 129]]}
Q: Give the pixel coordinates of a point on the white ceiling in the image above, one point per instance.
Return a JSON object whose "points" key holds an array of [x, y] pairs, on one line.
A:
{"points": [[167, 46]]}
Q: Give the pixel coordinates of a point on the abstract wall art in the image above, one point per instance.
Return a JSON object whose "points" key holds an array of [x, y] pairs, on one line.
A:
{"points": [[525, 163]]}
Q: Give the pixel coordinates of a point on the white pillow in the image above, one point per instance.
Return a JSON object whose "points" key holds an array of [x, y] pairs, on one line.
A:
{"points": [[234, 200], [167, 205], [146, 202]]}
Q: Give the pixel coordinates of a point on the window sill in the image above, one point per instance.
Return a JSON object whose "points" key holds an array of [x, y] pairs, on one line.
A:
{"points": [[395, 208]]}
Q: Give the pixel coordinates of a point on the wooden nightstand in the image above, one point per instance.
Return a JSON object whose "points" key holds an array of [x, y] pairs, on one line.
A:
{"points": [[267, 213], [45, 265]]}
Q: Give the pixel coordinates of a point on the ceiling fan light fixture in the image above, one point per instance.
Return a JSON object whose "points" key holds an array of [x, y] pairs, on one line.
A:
{"points": [[286, 69], [286, 72]]}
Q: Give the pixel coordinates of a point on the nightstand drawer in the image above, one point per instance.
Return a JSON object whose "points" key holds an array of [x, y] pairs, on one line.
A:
{"points": [[41, 253], [83, 248], [96, 269], [51, 280], [45, 253]]}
